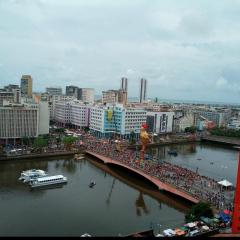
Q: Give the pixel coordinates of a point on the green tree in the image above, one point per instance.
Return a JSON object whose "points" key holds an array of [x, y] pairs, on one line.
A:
{"points": [[25, 140], [190, 129], [68, 141], [132, 139], [40, 142], [201, 209], [60, 130]]}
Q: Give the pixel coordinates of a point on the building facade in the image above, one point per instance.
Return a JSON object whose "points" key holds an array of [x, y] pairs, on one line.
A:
{"points": [[143, 90], [18, 121], [54, 91], [86, 95], [116, 120], [26, 85], [160, 122]]}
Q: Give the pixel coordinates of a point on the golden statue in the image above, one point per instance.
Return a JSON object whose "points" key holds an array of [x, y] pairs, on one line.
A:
{"points": [[145, 139]]}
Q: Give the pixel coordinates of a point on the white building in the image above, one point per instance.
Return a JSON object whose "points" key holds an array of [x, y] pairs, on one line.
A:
{"points": [[160, 122], [74, 113], [23, 120], [56, 98], [116, 119], [86, 95], [54, 90]]}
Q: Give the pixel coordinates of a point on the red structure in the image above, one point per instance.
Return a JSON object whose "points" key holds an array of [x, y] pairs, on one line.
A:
{"points": [[236, 209]]}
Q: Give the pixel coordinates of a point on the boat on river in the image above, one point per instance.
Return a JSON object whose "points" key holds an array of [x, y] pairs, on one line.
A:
{"points": [[173, 152], [79, 156], [92, 184], [29, 175], [49, 180]]}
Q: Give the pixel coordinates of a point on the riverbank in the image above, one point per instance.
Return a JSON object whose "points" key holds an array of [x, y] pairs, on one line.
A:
{"points": [[41, 155], [166, 142], [230, 141]]}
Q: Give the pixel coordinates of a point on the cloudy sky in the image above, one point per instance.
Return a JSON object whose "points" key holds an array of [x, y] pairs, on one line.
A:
{"points": [[186, 49]]}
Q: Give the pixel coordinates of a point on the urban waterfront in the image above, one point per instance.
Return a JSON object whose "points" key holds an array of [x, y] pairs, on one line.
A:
{"points": [[75, 208]]}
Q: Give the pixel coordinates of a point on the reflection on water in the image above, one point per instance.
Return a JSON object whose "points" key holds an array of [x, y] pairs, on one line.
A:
{"points": [[120, 202], [210, 160], [140, 205]]}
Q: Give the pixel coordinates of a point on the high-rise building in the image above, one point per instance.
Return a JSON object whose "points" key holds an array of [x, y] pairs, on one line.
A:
{"points": [[143, 90], [54, 91], [26, 86], [11, 94], [72, 91], [86, 95], [124, 84], [110, 96], [23, 120]]}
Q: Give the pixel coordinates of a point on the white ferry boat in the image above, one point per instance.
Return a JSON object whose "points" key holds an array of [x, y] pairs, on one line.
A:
{"points": [[27, 176], [49, 180]]}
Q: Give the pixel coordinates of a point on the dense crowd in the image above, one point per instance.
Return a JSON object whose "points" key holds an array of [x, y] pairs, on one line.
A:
{"points": [[198, 186], [201, 187]]}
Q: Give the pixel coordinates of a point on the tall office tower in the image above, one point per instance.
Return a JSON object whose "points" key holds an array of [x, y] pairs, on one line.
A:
{"points": [[26, 85], [143, 90], [54, 91], [86, 95], [72, 91], [124, 84]]}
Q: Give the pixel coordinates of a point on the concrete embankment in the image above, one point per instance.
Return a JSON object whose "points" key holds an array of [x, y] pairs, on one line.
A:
{"points": [[41, 155], [166, 143], [230, 141]]}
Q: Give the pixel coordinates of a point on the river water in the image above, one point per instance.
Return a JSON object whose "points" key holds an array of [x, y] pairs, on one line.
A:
{"points": [[120, 202]]}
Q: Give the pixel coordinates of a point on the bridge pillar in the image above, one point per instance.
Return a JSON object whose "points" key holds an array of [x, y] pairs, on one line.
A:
{"points": [[236, 208]]}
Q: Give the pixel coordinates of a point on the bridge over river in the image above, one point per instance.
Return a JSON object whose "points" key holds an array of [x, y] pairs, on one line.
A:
{"points": [[162, 186], [189, 185]]}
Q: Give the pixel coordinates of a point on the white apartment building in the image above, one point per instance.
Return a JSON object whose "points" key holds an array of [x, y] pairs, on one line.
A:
{"points": [[87, 95], [56, 98], [160, 122], [116, 119], [72, 113], [23, 120]]}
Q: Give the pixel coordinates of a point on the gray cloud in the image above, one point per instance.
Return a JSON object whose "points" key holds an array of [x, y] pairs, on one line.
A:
{"points": [[185, 50]]}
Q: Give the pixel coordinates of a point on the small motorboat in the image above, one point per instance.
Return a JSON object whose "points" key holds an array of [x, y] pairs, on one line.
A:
{"points": [[86, 235], [92, 184], [79, 156], [173, 152]]}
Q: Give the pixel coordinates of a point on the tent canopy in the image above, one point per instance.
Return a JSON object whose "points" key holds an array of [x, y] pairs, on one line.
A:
{"points": [[225, 183]]}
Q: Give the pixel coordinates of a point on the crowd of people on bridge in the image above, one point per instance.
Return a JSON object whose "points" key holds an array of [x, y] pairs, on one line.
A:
{"points": [[186, 180]]}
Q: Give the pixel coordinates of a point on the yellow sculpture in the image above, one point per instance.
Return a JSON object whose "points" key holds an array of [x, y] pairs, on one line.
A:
{"points": [[145, 139]]}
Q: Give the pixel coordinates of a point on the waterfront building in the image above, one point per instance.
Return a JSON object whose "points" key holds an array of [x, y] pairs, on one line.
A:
{"points": [[53, 99], [203, 123], [220, 118], [234, 124], [54, 91], [23, 120], [143, 90], [116, 120], [181, 123], [160, 122], [26, 85], [72, 113]]}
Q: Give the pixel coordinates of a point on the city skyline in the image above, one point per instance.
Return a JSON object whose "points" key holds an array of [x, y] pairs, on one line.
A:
{"points": [[185, 51]]}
